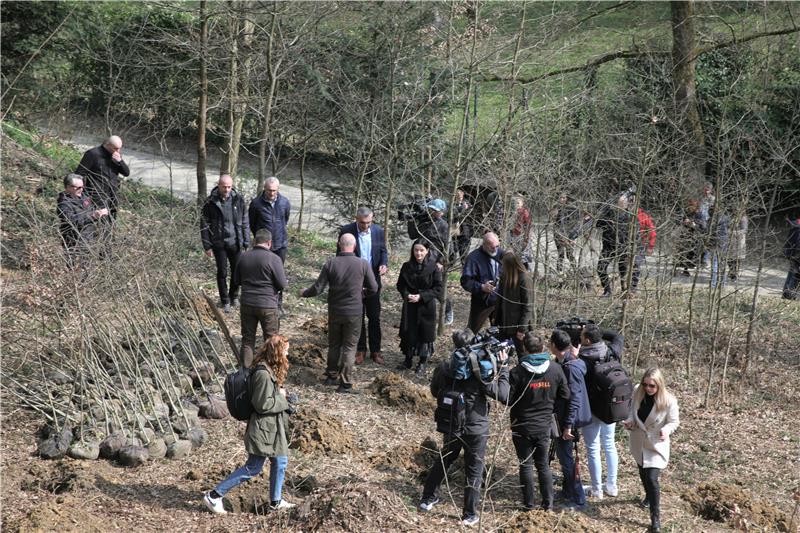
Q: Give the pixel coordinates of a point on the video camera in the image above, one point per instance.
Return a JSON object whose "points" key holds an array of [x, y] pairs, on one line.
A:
{"points": [[478, 356], [415, 209], [573, 327]]}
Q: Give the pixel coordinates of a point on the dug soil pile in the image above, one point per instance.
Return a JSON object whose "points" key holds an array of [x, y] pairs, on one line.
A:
{"points": [[311, 431], [394, 391], [722, 502]]}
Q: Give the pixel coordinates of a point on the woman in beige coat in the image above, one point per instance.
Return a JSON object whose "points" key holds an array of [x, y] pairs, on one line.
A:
{"points": [[653, 418]]}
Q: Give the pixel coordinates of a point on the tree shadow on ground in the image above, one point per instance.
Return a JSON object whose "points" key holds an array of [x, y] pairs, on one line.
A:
{"points": [[162, 495]]}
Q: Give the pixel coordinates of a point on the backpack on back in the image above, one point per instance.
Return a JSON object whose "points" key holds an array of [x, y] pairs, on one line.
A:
{"points": [[610, 391], [451, 413], [237, 393]]}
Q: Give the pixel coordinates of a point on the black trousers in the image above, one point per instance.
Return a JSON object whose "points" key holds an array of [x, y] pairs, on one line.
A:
{"points": [[474, 447], [652, 489], [224, 255], [613, 257], [533, 451], [371, 324], [281, 253]]}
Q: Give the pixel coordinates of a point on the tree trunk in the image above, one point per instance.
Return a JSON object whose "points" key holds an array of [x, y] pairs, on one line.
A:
{"points": [[685, 92], [202, 111], [268, 103]]}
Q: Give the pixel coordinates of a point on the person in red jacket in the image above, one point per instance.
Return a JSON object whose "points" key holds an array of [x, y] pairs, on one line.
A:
{"points": [[647, 231]]}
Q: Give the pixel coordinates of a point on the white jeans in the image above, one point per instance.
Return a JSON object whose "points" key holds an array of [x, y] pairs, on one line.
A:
{"points": [[596, 434]]}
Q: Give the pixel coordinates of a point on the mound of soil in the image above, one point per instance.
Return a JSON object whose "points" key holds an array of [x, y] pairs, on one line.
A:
{"points": [[395, 391], [358, 507], [307, 354], [52, 517], [723, 502], [317, 327], [413, 458], [543, 522], [311, 431], [57, 478]]}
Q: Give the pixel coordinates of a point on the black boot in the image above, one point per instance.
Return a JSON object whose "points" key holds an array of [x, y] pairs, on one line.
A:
{"points": [[655, 519], [406, 364]]}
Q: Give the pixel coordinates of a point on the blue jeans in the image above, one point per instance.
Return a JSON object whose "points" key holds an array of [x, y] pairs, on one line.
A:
{"points": [[253, 467], [599, 434], [572, 486], [715, 273]]}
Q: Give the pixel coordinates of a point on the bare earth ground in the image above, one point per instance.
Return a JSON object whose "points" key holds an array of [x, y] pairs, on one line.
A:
{"points": [[365, 475]]}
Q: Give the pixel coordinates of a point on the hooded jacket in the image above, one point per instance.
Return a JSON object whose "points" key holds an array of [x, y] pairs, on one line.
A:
{"points": [[534, 390], [574, 412], [212, 221], [266, 429]]}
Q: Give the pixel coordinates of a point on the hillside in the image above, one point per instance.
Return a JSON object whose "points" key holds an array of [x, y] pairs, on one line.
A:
{"points": [[357, 462]]}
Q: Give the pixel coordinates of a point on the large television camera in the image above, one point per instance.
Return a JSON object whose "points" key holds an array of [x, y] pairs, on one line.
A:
{"points": [[573, 327], [478, 356], [414, 210]]}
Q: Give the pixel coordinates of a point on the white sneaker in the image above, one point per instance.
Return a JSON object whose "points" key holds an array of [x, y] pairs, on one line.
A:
{"points": [[471, 520], [214, 504], [595, 494], [283, 504], [611, 491]]}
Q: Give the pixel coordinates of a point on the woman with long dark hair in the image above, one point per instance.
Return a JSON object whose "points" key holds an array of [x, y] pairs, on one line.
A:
{"points": [[653, 418], [420, 284], [266, 430], [513, 310]]}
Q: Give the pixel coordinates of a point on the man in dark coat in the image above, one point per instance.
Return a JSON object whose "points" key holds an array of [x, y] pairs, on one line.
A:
{"points": [[536, 384], [614, 225], [472, 439], [791, 250], [270, 210], [261, 276], [479, 278], [350, 279], [371, 247], [78, 215], [225, 232], [101, 167]]}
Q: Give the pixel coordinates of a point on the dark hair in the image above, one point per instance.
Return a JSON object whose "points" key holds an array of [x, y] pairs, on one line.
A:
{"points": [[560, 339], [592, 333], [422, 242], [462, 337], [532, 343], [263, 235], [513, 270]]}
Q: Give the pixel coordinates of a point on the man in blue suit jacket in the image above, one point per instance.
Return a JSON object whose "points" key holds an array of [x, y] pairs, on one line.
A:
{"points": [[371, 247]]}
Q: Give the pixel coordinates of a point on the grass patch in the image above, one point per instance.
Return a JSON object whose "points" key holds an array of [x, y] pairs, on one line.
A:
{"points": [[65, 157]]}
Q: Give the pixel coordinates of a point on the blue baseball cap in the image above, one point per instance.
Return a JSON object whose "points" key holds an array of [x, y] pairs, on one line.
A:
{"points": [[438, 205]]}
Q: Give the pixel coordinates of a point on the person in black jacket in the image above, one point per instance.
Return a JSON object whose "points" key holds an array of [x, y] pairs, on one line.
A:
{"points": [[616, 234], [420, 285], [100, 168], [791, 250], [472, 439], [535, 385], [572, 413], [225, 232], [513, 310], [78, 215]]}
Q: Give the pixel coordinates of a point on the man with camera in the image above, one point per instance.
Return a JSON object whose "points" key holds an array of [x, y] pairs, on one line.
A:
{"points": [[462, 415], [479, 278], [535, 386]]}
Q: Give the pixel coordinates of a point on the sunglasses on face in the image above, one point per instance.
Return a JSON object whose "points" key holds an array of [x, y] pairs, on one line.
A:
{"points": [[650, 385]]}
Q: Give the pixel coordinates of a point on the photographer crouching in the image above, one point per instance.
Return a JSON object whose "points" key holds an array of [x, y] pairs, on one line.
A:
{"points": [[475, 370]]}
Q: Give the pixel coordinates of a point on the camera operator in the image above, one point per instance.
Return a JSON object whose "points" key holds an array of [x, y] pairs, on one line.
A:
{"points": [[436, 232], [535, 386], [479, 277], [599, 346], [474, 435], [614, 225]]}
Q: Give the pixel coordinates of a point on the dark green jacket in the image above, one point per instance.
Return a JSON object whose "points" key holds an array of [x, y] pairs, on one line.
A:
{"points": [[266, 429]]}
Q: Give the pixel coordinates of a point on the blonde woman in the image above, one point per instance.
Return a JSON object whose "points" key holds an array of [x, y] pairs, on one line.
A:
{"points": [[653, 418]]}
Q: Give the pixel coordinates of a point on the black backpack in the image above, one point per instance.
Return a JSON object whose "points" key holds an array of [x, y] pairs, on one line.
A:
{"points": [[237, 393], [451, 413], [610, 391]]}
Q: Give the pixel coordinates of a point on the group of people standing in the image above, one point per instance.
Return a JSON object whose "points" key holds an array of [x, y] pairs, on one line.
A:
{"points": [[548, 398]]}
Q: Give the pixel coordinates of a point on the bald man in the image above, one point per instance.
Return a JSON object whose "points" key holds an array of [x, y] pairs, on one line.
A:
{"points": [[479, 278], [225, 232], [349, 279], [101, 168]]}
